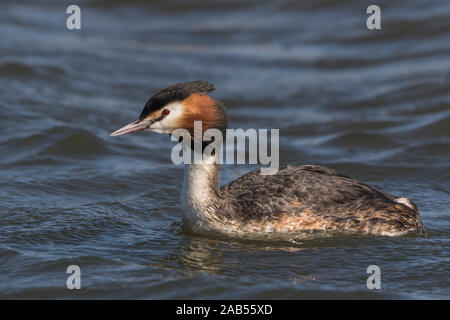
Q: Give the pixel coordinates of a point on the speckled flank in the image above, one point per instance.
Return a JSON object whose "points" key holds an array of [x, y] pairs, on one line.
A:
{"points": [[295, 199]]}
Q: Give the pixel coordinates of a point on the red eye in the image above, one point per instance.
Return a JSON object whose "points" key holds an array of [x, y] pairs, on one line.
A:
{"points": [[165, 112]]}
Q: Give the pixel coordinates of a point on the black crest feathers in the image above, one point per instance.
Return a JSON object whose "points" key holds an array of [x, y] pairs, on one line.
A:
{"points": [[177, 92]]}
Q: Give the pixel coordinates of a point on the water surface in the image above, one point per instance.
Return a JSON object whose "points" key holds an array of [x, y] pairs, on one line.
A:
{"points": [[372, 104]]}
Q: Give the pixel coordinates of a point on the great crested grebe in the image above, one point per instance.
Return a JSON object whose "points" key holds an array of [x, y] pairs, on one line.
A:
{"points": [[296, 198]]}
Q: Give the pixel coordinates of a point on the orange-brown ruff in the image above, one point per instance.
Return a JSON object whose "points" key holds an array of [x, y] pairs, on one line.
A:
{"points": [[296, 198]]}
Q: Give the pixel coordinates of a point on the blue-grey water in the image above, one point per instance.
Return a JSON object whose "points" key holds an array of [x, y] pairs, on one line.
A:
{"points": [[374, 104]]}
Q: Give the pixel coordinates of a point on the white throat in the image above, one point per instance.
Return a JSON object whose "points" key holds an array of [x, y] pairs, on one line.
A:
{"points": [[199, 194]]}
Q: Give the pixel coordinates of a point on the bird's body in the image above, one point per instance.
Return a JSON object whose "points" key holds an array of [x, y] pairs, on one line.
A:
{"points": [[296, 198]]}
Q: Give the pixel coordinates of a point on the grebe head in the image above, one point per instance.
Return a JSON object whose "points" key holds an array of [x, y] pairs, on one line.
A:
{"points": [[177, 107]]}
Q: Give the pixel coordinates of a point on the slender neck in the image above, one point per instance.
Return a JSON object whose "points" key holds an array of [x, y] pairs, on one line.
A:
{"points": [[200, 197]]}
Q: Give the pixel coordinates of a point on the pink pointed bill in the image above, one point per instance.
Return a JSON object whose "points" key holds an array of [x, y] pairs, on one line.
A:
{"points": [[132, 127]]}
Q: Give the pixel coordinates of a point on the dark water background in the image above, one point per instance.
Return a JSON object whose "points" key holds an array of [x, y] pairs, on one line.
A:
{"points": [[372, 104]]}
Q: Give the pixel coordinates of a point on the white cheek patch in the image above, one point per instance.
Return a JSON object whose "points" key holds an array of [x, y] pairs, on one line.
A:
{"points": [[169, 122]]}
